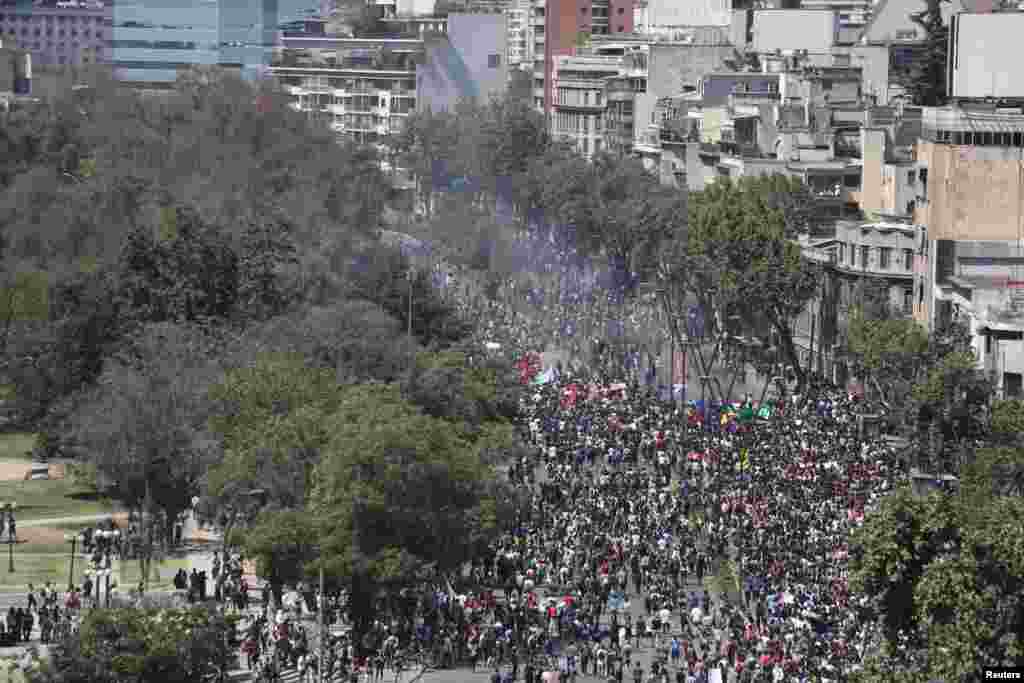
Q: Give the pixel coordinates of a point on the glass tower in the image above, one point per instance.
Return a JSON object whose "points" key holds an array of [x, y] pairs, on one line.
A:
{"points": [[154, 39]]}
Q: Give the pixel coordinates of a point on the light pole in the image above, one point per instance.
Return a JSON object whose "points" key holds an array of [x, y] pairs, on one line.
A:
{"points": [[73, 540]]}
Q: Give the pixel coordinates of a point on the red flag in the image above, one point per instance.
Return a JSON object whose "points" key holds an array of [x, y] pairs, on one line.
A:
{"points": [[569, 396], [679, 366]]}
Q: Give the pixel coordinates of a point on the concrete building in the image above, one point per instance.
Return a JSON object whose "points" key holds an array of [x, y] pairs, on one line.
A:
{"points": [[562, 27], [57, 33], [672, 20], [15, 75], [366, 88], [468, 62], [970, 204], [520, 41], [579, 108], [795, 29]]}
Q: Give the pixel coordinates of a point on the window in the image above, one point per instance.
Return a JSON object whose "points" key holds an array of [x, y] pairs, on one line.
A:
{"points": [[620, 29], [908, 299], [911, 177], [988, 344], [864, 251], [597, 146], [908, 259], [884, 257], [920, 294], [621, 10], [841, 253], [493, 61], [583, 10], [586, 145], [597, 99], [586, 97]]}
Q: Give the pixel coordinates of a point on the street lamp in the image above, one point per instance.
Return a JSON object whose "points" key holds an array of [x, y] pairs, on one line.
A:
{"points": [[102, 577], [73, 539]]}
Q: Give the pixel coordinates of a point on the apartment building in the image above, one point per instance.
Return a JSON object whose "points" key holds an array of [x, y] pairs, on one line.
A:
{"points": [[367, 87], [970, 204], [15, 75], [364, 87], [579, 107], [520, 36], [55, 33], [563, 27]]}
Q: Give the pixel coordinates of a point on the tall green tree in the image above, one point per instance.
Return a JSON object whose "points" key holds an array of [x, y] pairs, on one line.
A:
{"points": [[742, 260], [398, 493], [143, 426], [133, 645], [386, 277], [943, 575]]}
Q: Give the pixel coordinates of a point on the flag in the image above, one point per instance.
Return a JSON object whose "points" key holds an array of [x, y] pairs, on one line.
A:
{"points": [[569, 395], [679, 367], [651, 376], [744, 460], [545, 377]]}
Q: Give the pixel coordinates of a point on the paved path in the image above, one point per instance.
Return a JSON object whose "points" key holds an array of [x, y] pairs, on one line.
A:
{"points": [[74, 519]]}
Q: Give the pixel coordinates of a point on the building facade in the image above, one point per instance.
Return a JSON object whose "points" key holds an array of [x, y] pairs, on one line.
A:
{"points": [[567, 27], [468, 62], [579, 107], [364, 88], [59, 33], [971, 202]]}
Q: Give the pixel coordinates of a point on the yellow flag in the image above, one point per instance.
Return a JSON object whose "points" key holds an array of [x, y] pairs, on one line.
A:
{"points": [[744, 459]]}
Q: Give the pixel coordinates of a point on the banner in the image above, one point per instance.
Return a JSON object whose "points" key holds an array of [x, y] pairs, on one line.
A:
{"points": [[679, 366]]}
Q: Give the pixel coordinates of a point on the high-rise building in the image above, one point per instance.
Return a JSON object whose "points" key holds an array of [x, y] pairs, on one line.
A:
{"points": [[153, 40], [57, 32], [566, 27]]}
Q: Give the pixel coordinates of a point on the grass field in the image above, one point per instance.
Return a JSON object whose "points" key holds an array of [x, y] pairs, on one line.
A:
{"points": [[52, 498], [17, 446], [161, 575], [37, 570]]}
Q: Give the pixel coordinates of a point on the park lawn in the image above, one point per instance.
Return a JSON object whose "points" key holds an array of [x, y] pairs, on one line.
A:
{"points": [[161, 574], [46, 498], [36, 569], [17, 445]]}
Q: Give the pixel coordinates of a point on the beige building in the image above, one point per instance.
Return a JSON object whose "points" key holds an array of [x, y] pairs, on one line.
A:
{"points": [[971, 204]]}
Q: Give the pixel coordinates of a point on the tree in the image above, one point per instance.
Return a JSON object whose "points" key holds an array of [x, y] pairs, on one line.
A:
{"points": [[129, 645], [282, 542], [185, 273], [358, 339], [267, 250], [143, 427], [468, 393], [397, 492], [742, 261], [382, 276], [926, 81], [1008, 421], [943, 576], [271, 419]]}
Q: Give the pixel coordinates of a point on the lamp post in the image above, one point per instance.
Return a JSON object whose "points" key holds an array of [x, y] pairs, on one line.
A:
{"points": [[73, 540], [103, 579]]}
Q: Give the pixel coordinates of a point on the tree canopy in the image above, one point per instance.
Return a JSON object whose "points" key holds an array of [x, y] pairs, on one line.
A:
{"points": [[943, 576]]}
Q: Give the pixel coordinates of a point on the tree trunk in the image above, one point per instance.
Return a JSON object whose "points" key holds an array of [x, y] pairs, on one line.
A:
{"points": [[790, 352]]}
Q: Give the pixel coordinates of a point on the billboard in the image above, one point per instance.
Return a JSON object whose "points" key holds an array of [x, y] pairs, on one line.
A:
{"points": [[983, 49]]}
